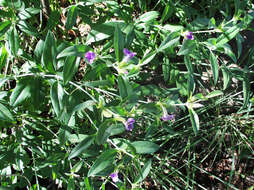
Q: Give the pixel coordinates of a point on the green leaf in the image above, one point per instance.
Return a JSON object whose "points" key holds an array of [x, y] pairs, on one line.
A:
{"points": [[166, 69], [167, 12], [194, 120], [172, 28], [246, 91], [36, 95], [122, 87], [57, 96], [85, 105], [3, 57], [239, 41], [5, 114], [227, 35], [76, 50], [77, 166], [103, 164], [148, 57], [71, 18], [106, 130], [39, 50], [215, 67], [168, 42], [214, 94], [148, 16], [54, 19], [49, 53], [4, 26], [145, 147], [13, 40], [3, 80], [187, 47], [109, 27], [95, 36], [64, 134], [28, 13], [81, 147], [103, 133], [20, 93], [190, 81], [71, 184], [118, 43], [144, 172], [226, 77], [70, 68], [27, 28]]}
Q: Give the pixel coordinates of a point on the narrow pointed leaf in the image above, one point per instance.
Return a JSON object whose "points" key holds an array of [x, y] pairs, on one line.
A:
{"points": [[168, 42], [103, 164], [76, 50], [5, 114], [70, 68], [145, 147], [57, 95], [144, 172], [122, 87], [20, 93], [187, 47], [118, 43], [81, 147], [246, 91], [228, 35], [226, 77], [215, 67], [166, 69], [13, 40], [71, 18], [194, 120], [49, 53], [214, 94]]}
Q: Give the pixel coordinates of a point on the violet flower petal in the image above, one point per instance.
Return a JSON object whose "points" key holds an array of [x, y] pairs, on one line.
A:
{"points": [[90, 56], [114, 177]]}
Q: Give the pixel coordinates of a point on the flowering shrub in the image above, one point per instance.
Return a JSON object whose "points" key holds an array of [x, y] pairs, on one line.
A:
{"points": [[89, 88]]}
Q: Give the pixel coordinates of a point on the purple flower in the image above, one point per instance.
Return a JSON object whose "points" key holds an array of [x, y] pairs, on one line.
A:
{"points": [[129, 124], [90, 56], [114, 177], [190, 36], [167, 117], [128, 54]]}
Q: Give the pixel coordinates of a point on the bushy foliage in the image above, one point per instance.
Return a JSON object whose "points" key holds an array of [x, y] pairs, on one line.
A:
{"points": [[123, 94]]}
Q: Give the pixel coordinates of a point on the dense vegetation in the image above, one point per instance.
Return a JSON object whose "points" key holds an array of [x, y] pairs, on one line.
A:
{"points": [[127, 94]]}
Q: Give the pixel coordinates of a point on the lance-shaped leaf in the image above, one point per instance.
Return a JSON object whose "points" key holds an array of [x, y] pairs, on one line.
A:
{"points": [[226, 77], [145, 147], [57, 96], [215, 67], [49, 53], [168, 42], [166, 69], [13, 40], [144, 171], [228, 34], [71, 17], [76, 50], [70, 68], [5, 114], [20, 93], [104, 164], [81, 147], [194, 120], [122, 87], [118, 43]]}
